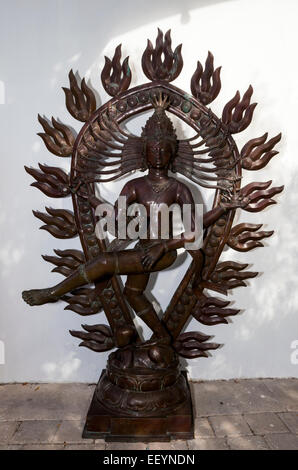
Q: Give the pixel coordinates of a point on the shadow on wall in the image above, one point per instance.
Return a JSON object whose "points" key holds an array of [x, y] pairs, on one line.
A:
{"points": [[266, 329]]}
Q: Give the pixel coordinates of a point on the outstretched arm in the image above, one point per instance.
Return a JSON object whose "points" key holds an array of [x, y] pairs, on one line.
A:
{"points": [[232, 201], [184, 196]]}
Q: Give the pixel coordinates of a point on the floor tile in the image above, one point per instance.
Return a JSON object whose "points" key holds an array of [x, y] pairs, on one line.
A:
{"points": [[265, 423], [231, 425], [35, 432]]}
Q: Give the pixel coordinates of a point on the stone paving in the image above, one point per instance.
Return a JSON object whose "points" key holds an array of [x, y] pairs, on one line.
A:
{"points": [[251, 414]]}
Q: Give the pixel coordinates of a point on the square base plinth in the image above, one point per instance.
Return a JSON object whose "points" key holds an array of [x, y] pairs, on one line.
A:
{"points": [[103, 424]]}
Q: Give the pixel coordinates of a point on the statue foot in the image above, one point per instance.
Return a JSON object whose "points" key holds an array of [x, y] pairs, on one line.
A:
{"points": [[39, 296]]}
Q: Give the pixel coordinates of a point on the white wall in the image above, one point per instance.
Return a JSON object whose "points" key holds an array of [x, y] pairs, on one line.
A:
{"points": [[255, 41]]}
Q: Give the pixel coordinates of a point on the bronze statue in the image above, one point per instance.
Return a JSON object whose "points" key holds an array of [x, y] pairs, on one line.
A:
{"points": [[143, 394]]}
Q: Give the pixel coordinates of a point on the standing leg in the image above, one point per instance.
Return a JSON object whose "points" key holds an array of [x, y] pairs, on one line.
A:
{"points": [[134, 292]]}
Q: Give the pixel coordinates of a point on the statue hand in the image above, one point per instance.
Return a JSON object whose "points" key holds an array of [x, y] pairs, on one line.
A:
{"points": [[235, 200], [152, 255]]}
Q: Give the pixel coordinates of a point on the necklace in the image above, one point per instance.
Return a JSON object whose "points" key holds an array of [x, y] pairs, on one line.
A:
{"points": [[159, 187]]}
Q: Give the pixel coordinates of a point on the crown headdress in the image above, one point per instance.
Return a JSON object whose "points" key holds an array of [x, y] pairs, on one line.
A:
{"points": [[159, 125]]}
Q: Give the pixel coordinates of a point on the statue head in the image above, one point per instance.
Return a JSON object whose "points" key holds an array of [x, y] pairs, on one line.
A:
{"points": [[159, 137]]}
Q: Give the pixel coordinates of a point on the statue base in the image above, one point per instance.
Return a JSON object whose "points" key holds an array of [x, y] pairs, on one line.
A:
{"points": [[103, 423], [141, 396]]}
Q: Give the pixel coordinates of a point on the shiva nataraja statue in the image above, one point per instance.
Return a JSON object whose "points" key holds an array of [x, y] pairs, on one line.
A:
{"points": [[143, 379]]}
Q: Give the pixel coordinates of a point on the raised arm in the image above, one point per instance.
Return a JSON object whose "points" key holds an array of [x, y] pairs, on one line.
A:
{"points": [[185, 197]]}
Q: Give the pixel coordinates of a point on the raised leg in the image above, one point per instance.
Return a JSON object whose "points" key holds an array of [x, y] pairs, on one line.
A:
{"points": [[106, 264], [103, 265]]}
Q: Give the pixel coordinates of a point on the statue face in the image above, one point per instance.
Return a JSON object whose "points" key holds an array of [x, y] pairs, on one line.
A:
{"points": [[159, 153]]}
